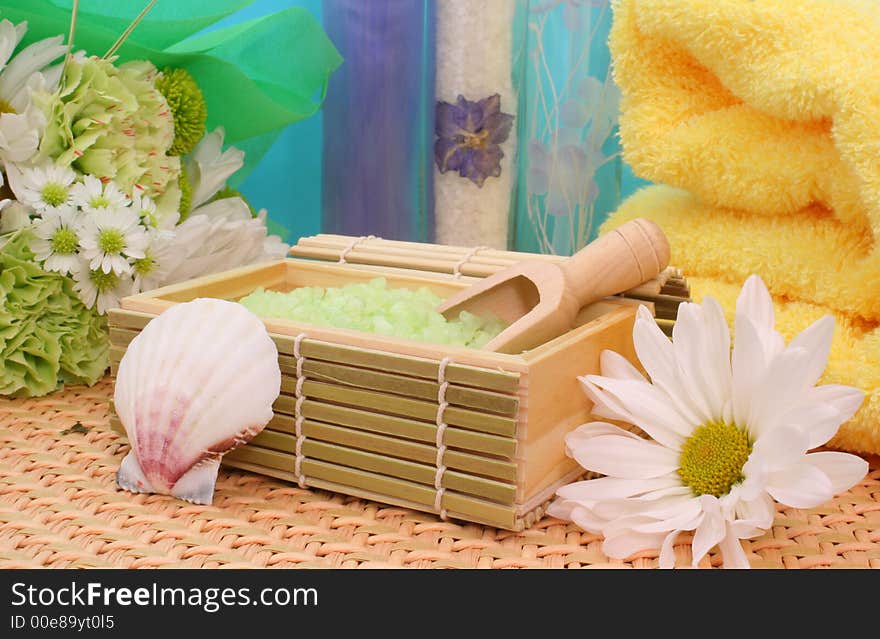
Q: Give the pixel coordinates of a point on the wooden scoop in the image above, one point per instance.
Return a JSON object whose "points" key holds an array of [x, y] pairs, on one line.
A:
{"points": [[540, 300]]}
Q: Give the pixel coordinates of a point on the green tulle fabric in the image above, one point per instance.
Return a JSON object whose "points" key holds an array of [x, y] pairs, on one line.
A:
{"points": [[257, 77], [47, 336]]}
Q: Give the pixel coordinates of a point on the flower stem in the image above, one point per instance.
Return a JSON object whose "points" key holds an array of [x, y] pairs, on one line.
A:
{"points": [[73, 13], [121, 39]]}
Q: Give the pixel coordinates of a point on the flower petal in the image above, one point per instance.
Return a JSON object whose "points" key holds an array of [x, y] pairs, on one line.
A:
{"points": [[780, 448], [605, 404], [585, 518], [649, 408], [800, 486], [657, 355], [748, 366], [692, 341], [818, 421], [667, 550], [845, 399], [657, 505], [627, 458], [816, 341], [617, 366], [592, 490], [755, 304], [784, 383], [711, 530], [583, 433], [732, 553], [842, 469], [626, 543]]}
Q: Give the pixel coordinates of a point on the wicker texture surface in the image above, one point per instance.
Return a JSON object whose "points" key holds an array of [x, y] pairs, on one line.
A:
{"points": [[60, 507]]}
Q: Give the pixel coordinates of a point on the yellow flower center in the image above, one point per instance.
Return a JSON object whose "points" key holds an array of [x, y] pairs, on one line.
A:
{"points": [[476, 140], [64, 241], [712, 458], [103, 281], [144, 265], [5, 107], [111, 241], [54, 194], [99, 202]]}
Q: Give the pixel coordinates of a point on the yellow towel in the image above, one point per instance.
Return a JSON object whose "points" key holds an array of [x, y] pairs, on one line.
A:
{"points": [[803, 260], [769, 106]]}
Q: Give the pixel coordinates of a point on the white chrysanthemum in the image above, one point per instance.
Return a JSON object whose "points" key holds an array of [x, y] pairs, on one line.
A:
{"points": [[221, 236], [46, 188], [112, 238], [92, 196], [98, 289], [145, 207], [21, 124], [56, 241], [209, 166], [151, 270], [729, 433], [29, 66]]}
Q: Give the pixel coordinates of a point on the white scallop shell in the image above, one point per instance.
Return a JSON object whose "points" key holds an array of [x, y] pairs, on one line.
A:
{"points": [[198, 381]]}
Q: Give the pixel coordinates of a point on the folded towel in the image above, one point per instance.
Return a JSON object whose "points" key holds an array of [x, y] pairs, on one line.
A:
{"points": [[769, 106], [806, 260], [809, 255]]}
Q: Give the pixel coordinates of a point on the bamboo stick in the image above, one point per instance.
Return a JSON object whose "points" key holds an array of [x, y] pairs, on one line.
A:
{"points": [[398, 385], [464, 506], [401, 406], [429, 257], [513, 522]]}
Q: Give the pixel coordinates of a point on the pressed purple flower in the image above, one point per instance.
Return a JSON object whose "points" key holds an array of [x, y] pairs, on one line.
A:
{"points": [[469, 135]]}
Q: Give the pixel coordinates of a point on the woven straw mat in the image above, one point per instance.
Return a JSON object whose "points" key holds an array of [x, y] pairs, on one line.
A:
{"points": [[60, 507]]}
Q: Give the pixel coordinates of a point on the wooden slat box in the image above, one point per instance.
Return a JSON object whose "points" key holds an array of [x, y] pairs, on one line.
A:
{"points": [[370, 406]]}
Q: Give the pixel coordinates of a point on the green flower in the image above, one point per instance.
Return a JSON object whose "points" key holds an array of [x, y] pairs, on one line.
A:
{"points": [[47, 336], [113, 123], [188, 106]]}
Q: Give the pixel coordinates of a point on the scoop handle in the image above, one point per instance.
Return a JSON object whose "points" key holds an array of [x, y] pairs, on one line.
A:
{"points": [[619, 260]]}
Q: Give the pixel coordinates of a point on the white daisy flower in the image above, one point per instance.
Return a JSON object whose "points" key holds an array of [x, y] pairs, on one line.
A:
{"points": [[46, 188], [92, 196], [729, 433], [98, 289], [56, 243], [145, 208], [21, 124], [111, 238], [26, 67], [209, 166], [151, 270]]}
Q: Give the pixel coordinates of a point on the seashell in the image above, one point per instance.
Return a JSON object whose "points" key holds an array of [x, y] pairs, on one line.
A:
{"points": [[198, 381]]}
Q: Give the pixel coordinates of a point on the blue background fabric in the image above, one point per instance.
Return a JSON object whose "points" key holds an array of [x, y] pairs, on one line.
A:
{"points": [[288, 180]]}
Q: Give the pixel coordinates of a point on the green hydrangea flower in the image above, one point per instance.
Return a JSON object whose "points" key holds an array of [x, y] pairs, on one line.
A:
{"points": [[113, 123], [47, 336], [188, 106]]}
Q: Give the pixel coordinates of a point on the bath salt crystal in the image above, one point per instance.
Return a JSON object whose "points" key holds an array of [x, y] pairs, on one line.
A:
{"points": [[475, 59], [373, 307]]}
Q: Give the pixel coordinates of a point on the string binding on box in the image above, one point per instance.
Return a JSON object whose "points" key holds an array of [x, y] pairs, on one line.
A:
{"points": [[300, 397], [353, 244], [471, 254], [442, 404]]}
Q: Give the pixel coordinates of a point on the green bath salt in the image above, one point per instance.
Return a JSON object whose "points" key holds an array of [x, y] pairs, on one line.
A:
{"points": [[373, 307]]}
